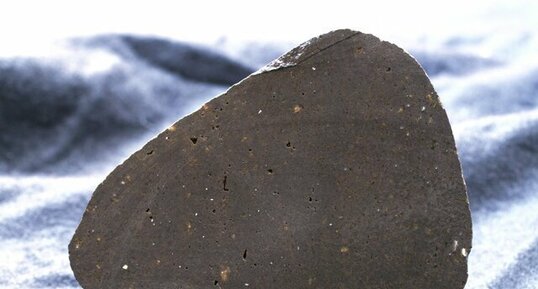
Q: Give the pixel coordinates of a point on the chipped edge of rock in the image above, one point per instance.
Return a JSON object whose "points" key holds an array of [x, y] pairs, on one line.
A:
{"points": [[306, 50]]}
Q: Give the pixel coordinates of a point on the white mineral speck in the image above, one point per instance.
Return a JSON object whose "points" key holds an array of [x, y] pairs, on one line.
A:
{"points": [[313, 68], [454, 245], [423, 108], [125, 267], [259, 111]]}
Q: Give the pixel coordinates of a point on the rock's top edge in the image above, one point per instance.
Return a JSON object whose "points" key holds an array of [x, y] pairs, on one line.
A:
{"points": [[308, 49]]}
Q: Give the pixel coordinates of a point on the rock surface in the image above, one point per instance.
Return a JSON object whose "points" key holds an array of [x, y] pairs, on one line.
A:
{"points": [[333, 167]]}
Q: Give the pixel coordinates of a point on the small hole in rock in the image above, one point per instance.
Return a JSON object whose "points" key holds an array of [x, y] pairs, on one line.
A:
{"points": [[194, 140], [224, 183], [245, 254], [270, 171]]}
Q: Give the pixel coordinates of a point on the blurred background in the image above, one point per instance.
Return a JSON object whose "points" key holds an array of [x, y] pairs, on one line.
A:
{"points": [[83, 85]]}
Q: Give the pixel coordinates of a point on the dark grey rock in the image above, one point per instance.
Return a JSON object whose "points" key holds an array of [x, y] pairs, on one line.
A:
{"points": [[335, 167]]}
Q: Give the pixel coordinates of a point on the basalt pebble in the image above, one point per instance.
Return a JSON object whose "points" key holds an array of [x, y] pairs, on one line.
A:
{"points": [[332, 167]]}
